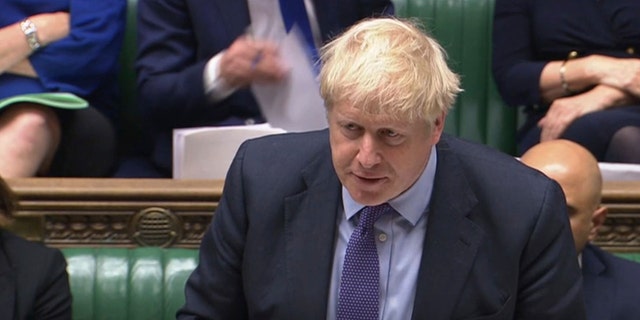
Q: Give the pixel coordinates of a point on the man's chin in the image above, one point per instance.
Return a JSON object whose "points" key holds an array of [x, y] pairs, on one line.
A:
{"points": [[368, 196]]}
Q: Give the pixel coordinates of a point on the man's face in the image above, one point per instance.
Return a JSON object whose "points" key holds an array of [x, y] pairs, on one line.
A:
{"points": [[377, 157]]}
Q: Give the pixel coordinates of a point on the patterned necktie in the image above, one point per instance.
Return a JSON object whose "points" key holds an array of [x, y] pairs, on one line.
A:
{"points": [[360, 282]]}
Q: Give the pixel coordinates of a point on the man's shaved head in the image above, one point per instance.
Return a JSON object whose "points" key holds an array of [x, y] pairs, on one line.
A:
{"points": [[578, 173]]}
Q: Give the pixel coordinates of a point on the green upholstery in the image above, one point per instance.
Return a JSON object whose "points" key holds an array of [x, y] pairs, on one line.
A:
{"points": [[120, 284], [463, 28], [131, 135], [633, 256], [140, 283]]}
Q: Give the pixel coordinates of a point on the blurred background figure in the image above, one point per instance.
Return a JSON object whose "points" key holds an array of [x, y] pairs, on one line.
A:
{"points": [[59, 46], [610, 283], [33, 279], [196, 61], [575, 66]]}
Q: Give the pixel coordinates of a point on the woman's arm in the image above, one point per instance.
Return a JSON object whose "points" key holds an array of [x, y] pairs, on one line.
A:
{"points": [[564, 110], [515, 69], [87, 58], [583, 73], [623, 74], [14, 49]]}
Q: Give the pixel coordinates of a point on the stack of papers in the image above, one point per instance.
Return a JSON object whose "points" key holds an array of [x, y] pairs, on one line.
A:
{"points": [[207, 152]]}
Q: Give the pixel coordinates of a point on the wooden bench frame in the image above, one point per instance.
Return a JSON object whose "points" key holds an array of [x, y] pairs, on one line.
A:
{"points": [[621, 230], [68, 212]]}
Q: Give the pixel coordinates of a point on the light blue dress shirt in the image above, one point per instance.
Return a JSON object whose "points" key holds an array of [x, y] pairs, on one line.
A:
{"points": [[399, 239]]}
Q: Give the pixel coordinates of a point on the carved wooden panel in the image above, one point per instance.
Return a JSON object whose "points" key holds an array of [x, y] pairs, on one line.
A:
{"points": [[66, 212], [621, 230], [115, 212]]}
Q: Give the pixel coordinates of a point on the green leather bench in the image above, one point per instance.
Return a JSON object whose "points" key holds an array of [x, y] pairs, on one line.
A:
{"points": [[120, 284], [633, 256], [137, 284]]}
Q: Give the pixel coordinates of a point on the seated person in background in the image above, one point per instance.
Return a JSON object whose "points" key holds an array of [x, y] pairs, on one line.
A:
{"points": [[194, 62], [33, 278], [611, 284], [575, 66], [381, 216], [69, 46]]}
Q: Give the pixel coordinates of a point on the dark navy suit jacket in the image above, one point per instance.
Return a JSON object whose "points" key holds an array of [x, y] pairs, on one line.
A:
{"points": [[33, 281], [498, 243], [611, 286], [176, 38]]}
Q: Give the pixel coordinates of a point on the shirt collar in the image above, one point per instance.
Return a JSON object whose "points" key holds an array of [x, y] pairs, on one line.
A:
{"points": [[410, 204]]}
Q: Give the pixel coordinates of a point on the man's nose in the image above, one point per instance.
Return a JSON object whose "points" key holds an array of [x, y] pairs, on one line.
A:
{"points": [[369, 152]]}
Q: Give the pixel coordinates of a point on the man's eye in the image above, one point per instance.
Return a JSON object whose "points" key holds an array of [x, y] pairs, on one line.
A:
{"points": [[389, 133], [351, 127]]}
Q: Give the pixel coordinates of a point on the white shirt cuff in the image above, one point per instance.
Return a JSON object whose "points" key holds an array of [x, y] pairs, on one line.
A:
{"points": [[214, 86]]}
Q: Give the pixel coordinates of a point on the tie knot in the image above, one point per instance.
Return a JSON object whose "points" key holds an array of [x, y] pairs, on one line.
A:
{"points": [[369, 215]]}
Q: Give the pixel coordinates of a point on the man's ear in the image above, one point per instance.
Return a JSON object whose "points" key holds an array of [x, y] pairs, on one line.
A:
{"points": [[597, 220], [438, 128]]}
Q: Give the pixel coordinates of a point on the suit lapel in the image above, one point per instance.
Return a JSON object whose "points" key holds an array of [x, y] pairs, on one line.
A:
{"points": [[598, 289], [310, 226], [7, 284], [451, 241]]}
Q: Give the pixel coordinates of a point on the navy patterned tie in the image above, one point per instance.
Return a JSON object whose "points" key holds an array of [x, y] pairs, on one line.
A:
{"points": [[295, 12], [360, 282]]}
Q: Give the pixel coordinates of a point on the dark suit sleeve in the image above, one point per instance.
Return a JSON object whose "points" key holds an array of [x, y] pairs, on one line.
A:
{"points": [[170, 78], [550, 285], [215, 289], [53, 301], [516, 73]]}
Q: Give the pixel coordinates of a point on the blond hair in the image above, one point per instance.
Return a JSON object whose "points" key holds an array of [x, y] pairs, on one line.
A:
{"points": [[388, 66]]}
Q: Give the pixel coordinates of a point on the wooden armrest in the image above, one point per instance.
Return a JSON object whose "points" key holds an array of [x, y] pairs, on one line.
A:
{"points": [[621, 230], [70, 212]]}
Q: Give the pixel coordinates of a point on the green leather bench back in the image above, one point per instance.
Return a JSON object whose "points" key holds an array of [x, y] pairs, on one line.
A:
{"points": [[633, 256], [463, 28], [137, 284], [131, 135], [120, 284]]}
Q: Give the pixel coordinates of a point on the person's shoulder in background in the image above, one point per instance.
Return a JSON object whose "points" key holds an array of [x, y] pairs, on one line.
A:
{"points": [[614, 267], [39, 277]]}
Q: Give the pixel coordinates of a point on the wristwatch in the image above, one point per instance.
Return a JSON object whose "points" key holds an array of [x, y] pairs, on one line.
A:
{"points": [[31, 32]]}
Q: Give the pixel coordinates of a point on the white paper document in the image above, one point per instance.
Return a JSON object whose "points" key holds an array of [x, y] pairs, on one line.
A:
{"points": [[293, 104], [207, 152], [619, 171]]}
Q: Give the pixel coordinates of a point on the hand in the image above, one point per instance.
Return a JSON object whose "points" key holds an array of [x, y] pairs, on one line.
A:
{"points": [[51, 26], [248, 60], [564, 111], [619, 73]]}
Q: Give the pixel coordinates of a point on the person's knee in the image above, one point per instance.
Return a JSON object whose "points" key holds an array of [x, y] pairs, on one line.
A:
{"points": [[624, 146], [32, 123], [628, 135]]}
